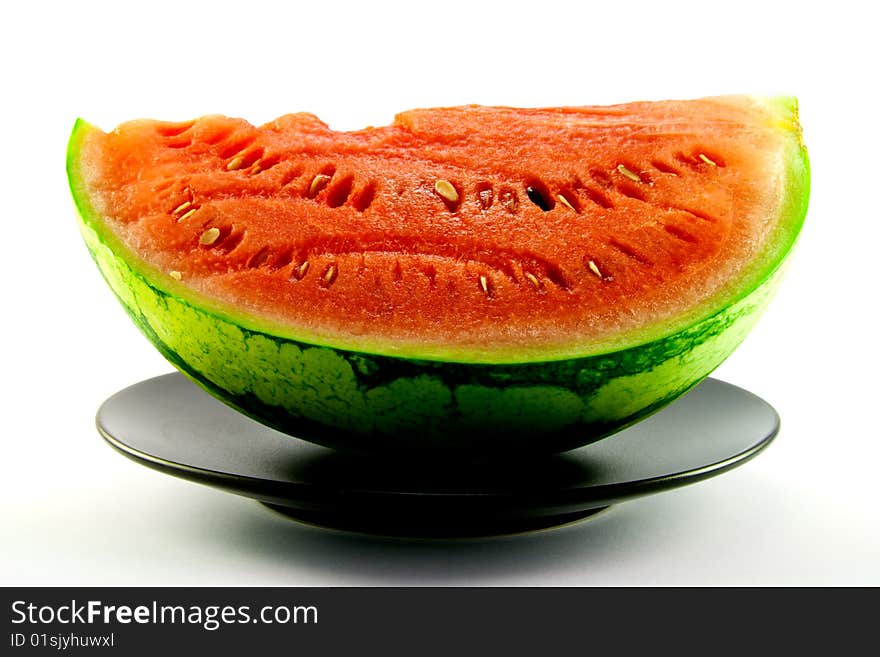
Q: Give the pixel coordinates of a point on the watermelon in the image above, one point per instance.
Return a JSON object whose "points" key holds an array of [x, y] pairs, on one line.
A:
{"points": [[463, 279]]}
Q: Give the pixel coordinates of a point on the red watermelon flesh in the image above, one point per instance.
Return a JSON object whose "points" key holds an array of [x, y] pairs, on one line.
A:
{"points": [[488, 233]]}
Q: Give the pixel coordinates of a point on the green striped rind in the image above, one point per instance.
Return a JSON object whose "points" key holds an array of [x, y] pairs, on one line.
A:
{"points": [[380, 402]]}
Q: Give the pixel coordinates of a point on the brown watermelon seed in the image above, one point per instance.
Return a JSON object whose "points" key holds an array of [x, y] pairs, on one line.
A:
{"points": [[595, 269], [235, 163], [187, 215], [565, 202], [176, 275], [706, 159], [536, 197], [531, 278], [330, 275], [446, 190], [209, 236], [300, 271], [632, 175], [319, 182]]}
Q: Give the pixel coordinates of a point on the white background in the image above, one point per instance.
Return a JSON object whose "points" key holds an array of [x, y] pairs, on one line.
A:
{"points": [[75, 512]]}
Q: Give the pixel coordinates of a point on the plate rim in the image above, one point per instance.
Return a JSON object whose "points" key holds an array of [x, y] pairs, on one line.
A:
{"points": [[321, 496]]}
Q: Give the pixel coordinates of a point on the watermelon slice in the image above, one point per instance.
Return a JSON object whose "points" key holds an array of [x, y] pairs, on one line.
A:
{"points": [[464, 277]]}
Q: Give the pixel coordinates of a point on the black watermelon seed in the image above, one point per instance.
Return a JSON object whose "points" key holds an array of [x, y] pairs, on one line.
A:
{"points": [[537, 198]]}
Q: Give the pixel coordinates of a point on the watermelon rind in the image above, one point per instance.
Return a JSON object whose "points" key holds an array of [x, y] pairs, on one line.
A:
{"points": [[379, 397]]}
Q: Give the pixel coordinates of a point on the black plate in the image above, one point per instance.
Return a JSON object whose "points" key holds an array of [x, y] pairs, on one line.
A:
{"points": [[169, 424]]}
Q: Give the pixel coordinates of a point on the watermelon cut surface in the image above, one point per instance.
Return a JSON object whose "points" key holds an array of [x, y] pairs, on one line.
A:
{"points": [[467, 274]]}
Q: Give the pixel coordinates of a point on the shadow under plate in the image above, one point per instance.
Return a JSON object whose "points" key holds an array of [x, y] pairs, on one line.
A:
{"points": [[169, 424]]}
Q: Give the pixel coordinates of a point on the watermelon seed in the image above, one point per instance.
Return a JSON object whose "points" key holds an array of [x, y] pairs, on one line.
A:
{"points": [[445, 189], [705, 159], [565, 202], [595, 269], [536, 197], [484, 284], [300, 272], [330, 275], [531, 278], [176, 275], [181, 208], [319, 182], [235, 163], [187, 215], [209, 236], [632, 175]]}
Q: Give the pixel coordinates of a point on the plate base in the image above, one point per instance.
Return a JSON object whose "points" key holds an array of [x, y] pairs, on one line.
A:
{"points": [[432, 527]]}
